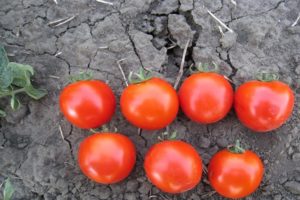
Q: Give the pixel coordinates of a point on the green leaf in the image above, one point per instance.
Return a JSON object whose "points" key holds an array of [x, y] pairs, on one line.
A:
{"points": [[5, 77], [15, 103], [21, 74], [8, 190], [2, 113], [35, 93], [3, 58], [5, 72], [81, 76]]}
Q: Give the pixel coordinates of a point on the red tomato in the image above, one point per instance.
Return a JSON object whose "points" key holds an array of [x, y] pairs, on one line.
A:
{"points": [[206, 97], [263, 106], [152, 104], [106, 157], [87, 104], [173, 166], [235, 175]]}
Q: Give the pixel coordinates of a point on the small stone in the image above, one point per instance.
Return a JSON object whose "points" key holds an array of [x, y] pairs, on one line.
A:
{"points": [[145, 188], [117, 188], [194, 197], [277, 197], [104, 193], [290, 150], [297, 70], [160, 24], [266, 161], [204, 142], [130, 196], [296, 157], [132, 185], [293, 187], [159, 42], [222, 142]]}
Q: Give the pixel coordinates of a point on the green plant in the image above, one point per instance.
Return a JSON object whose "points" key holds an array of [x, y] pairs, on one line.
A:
{"points": [[14, 79], [8, 190]]}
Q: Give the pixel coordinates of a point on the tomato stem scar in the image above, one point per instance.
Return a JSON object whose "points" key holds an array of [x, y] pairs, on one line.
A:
{"points": [[236, 148]]}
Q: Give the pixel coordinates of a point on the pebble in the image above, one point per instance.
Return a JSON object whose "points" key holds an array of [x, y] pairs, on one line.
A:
{"points": [[204, 142], [132, 185], [293, 187], [194, 197], [296, 157], [277, 197], [290, 150], [266, 161], [130, 196], [222, 142]]}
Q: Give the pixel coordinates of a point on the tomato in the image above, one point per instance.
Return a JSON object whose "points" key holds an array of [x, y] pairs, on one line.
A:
{"points": [[152, 104], [87, 104], [235, 175], [106, 157], [205, 97], [173, 166], [263, 106]]}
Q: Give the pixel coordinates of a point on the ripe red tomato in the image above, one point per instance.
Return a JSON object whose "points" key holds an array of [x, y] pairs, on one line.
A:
{"points": [[106, 157], [235, 175], [87, 104], [152, 104], [173, 166], [206, 97], [263, 106]]}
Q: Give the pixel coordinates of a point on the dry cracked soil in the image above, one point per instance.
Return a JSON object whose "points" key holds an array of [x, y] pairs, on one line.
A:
{"points": [[147, 33]]}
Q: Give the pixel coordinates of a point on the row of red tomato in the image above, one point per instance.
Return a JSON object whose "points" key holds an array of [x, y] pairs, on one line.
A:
{"points": [[152, 103]]}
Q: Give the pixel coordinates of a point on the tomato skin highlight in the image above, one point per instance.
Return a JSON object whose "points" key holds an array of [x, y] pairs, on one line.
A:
{"points": [[87, 104], [263, 106], [173, 166], [106, 157], [206, 97], [150, 105], [235, 175]]}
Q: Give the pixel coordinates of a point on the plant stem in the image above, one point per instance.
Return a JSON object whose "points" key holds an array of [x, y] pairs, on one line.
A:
{"points": [[236, 148], [14, 92]]}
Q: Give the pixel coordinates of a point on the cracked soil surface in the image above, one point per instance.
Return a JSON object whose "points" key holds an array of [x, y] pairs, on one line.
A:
{"points": [[152, 34]]}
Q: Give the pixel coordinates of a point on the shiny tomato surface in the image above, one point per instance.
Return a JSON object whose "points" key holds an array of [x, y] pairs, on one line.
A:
{"points": [[263, 106], [173, 166], [235, 175], [87, 104], [106, 157], [152, 104], [206, 97]]}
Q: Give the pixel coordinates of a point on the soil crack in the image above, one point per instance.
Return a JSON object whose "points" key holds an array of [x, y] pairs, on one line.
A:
{"points": [[256, 14]]}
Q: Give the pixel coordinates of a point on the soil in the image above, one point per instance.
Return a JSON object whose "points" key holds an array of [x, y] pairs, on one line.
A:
{"points": [[152, 34]]}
